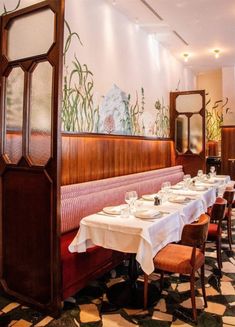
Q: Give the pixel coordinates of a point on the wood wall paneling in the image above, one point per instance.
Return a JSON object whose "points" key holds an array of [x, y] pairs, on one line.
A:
{"points": [[88, 157], [228, 151]]}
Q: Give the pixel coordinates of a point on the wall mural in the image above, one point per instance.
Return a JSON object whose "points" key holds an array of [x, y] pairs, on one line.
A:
{"points": [[118, 112], [214, 118]]}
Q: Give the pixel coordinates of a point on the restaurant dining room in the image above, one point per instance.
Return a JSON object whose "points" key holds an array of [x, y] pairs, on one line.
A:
{"points": [[117, 163]]}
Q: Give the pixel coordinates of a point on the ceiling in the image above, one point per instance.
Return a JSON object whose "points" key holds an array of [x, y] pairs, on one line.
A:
{"points": [[196, 27]]}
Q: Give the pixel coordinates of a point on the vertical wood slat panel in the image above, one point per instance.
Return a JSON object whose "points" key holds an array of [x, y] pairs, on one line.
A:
{"points": [[88, 157], [228, 151]]}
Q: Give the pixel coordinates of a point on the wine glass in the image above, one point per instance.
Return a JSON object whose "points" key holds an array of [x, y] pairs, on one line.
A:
{"points": [[199, 175], [212, 170], [130, 198], [186, 179]]}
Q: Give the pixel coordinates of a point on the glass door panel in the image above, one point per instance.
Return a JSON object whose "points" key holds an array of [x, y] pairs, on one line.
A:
{"points": [[14, 114]]}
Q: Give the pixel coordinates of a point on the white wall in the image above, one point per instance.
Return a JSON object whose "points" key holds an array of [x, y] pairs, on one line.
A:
{"points": [[119, 52]]}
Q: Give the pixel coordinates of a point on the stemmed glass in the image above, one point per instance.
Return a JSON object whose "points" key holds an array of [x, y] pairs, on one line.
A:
{"points": [[186, 179], [212, 170], [199, 174], [130, 198]]}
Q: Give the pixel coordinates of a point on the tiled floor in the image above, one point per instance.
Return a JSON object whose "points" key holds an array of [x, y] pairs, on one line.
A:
{"points": [[91, 308]]}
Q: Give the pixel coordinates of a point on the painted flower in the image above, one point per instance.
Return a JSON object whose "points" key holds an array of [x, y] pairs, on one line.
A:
{"points": [[109, 124]]}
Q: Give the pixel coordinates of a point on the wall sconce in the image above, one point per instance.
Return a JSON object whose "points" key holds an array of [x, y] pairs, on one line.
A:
{"points": [[216, 53], [186, 56]]}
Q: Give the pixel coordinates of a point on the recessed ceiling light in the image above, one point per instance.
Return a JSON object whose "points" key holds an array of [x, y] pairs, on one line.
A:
{"points": [[216, 53]]}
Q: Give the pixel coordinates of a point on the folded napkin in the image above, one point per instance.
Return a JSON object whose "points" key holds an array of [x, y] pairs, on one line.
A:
{"points": [[147, 214], [116, 210]]}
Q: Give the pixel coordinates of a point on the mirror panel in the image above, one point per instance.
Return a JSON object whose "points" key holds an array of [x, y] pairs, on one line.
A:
{"points": [[181, 133], [40, 114], [189, 103], [196, 135], [25, 30], [14, 114]]}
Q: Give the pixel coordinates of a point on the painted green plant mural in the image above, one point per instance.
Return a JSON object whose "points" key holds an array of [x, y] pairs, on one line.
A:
{"points": [[134, 112], [7, 11], [78, 111], [80, 114], [162, 123], [214, 118]]}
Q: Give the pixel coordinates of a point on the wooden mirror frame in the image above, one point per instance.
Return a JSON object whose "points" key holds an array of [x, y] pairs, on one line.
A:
{"points": [[191, 161]]}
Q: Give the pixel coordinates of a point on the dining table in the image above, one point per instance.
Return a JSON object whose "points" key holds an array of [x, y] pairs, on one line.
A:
{"points": [[144, 232]]}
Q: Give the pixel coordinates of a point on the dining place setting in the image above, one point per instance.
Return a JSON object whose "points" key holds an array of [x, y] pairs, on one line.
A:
{"points": [[142, 226]]}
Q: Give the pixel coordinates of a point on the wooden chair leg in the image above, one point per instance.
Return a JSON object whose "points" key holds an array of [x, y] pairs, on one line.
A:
{"points": [[203, 285], [162, 280], [192, 288], [218, 252], [145, 291], [229, 231]]}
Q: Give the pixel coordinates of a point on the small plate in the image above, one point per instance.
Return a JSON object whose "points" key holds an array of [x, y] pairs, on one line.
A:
{"points": [[200, 188], [149, 197], [176, 187], [178, 199], [115, 210]]}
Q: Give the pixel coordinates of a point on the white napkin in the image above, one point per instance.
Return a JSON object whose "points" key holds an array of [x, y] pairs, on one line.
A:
{"points": [[116, 210], [147, 213]]}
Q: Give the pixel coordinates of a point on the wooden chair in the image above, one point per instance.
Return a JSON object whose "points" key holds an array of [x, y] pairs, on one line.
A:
{"points": [[229, 196], [184, 259], [217, 214]]}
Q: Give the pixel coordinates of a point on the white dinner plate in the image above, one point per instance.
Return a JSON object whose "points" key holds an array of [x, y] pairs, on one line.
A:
{"points": [[114, 210]]}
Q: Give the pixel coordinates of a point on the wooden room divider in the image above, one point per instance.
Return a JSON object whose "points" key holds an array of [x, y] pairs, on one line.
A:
{"points": [[31, 74]]}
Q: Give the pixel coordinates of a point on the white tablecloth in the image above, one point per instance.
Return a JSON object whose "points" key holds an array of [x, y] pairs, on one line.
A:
{"points": [[143, 237]]}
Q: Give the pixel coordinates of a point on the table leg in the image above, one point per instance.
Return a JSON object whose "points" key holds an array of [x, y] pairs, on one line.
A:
{"points": [[130, 294]]}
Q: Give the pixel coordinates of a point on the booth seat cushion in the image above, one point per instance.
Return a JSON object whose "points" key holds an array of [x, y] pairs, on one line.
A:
{"points": [[79, 268], [74, 190], [73, 209]]}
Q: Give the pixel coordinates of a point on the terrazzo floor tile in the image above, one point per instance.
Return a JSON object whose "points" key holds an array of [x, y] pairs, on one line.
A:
{"points": [[183, 287], [44, 321], [210, 291], [10, 307], [133, 312], [22, 323], [158, 315], [228, 267], [89, 313], [179, 323], [188, 304], [217, 308], [116, 320], [227, 288], [229, 320], [161, 305]]}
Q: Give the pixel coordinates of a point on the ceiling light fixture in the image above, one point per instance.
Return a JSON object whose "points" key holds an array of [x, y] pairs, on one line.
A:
{"points": [[216, 53], [114, 2], [186, 56]]}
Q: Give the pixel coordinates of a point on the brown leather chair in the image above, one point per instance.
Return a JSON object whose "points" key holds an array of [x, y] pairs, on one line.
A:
{"points": [[185, 258], [217, 214], [229, 196]]}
